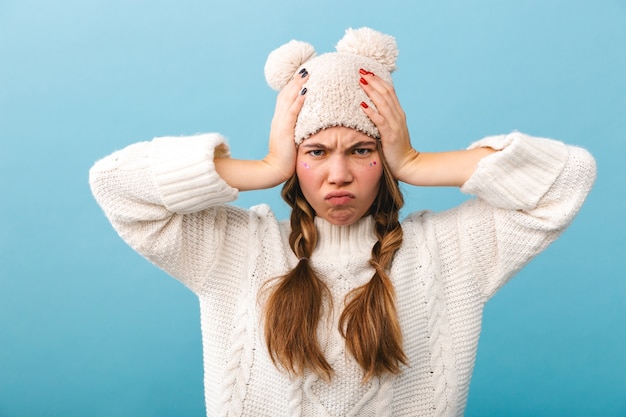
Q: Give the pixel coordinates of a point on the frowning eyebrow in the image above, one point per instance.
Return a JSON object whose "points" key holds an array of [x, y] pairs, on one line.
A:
{"points": [[363, 143], [316, 145], [313, 145]]}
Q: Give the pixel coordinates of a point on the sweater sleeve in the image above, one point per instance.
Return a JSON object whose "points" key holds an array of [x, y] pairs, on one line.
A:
{"points": [[526, 195], [165, 199]]}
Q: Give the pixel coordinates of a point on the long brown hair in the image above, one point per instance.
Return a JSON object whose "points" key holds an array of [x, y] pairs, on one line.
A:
{"points": [[369, 322]]}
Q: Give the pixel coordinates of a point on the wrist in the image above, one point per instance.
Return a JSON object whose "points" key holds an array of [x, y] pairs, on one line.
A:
{"points": [[406, 167], [279, 168]]}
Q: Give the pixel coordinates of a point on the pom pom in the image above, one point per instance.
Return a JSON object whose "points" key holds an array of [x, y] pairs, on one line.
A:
{"points": [[283, 62], [370, 43]]}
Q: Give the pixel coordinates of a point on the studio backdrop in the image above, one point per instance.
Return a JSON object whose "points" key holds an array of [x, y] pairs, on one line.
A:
{"points": [[89, 328]]}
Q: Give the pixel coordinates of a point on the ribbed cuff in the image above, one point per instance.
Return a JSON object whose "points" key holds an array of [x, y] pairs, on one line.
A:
{"points": [[185, 173], [520, 174]]}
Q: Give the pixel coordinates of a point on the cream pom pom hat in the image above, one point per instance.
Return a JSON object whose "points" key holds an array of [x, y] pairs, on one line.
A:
{"points": [[334, 96]]}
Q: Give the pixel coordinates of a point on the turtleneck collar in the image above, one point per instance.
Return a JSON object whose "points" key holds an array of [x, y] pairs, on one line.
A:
{"points": [[353, 240]]}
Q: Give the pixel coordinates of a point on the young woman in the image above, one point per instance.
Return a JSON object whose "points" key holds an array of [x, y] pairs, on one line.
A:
{"points": [[344, 310]]}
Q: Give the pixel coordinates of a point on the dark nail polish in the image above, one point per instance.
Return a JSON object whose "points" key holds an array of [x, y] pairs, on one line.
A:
{"points": [[303, 92], [305, 73], [302, 70]]}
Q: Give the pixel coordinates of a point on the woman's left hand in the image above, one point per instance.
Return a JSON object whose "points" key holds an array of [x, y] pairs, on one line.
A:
{"points": [[451, 168], [390, 119]]}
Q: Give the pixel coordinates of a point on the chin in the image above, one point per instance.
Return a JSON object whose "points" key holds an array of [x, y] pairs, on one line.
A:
{"points": [[342, 219]]}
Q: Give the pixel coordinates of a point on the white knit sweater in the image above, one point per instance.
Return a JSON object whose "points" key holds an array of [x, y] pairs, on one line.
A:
{"points": [[165, 200]]}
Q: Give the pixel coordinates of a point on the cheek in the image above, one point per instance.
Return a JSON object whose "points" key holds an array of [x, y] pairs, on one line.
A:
{"points": [[306, 177], [370, 177], [303, 170], [372, 171]]}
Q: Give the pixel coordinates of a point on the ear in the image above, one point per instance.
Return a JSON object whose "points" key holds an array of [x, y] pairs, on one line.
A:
{"points": [[283, 62], [372, 44]]}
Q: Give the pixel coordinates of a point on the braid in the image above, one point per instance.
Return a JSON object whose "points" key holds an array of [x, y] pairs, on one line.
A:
{"points": [[369, 322], [295, 304]]}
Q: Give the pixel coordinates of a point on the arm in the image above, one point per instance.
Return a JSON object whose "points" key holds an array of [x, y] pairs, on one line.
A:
{"points": [[166, 201], [166, 197], [528, 191], [527, 195], [452, 168], [280, 162]]}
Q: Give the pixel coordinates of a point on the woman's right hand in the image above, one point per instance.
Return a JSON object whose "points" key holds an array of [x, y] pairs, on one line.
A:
{"points": [[280, 162], [282, 148]]}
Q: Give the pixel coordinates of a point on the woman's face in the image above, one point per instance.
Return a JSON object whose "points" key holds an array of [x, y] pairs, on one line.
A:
{"points": [[339, 171]]}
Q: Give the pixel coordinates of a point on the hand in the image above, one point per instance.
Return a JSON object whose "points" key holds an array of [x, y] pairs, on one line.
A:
{"points": [[280, 162], [390, 119], [282, 148], [451, 168]]}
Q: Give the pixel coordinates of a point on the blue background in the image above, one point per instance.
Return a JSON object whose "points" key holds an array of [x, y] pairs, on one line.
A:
{"points": [[88, 328]]}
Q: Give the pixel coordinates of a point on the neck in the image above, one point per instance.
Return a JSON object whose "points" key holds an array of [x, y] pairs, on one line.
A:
{"points": [[344, 241]]}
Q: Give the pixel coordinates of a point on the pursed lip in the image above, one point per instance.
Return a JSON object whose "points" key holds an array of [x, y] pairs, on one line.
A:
{"points": [[339, 198], [338, 194]]}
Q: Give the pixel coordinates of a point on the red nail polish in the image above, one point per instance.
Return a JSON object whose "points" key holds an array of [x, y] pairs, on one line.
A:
{"points": [[363, 72], [362, 80], [364, 105]]}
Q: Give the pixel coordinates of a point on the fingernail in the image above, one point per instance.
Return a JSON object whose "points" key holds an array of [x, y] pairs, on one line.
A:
{"points": [[302, 70], [303, 92], [362, 80], [364, 105], [304, 73], [365, 72]]}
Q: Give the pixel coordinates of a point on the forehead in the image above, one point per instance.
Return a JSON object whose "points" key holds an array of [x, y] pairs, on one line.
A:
{"points": [[338, 136]]}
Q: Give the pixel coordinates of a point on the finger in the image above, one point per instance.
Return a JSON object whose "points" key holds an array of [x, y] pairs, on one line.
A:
{"points": [[383, 115], [288, 105], [383, 96], [295, 85], [289, 99], [376, 118]]}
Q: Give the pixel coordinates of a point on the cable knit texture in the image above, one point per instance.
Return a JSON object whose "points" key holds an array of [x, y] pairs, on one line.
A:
{"points": [[165, 200]]}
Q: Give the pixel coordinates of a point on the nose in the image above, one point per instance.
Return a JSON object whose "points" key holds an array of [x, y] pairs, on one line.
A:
{"points": [[339, 172]]}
